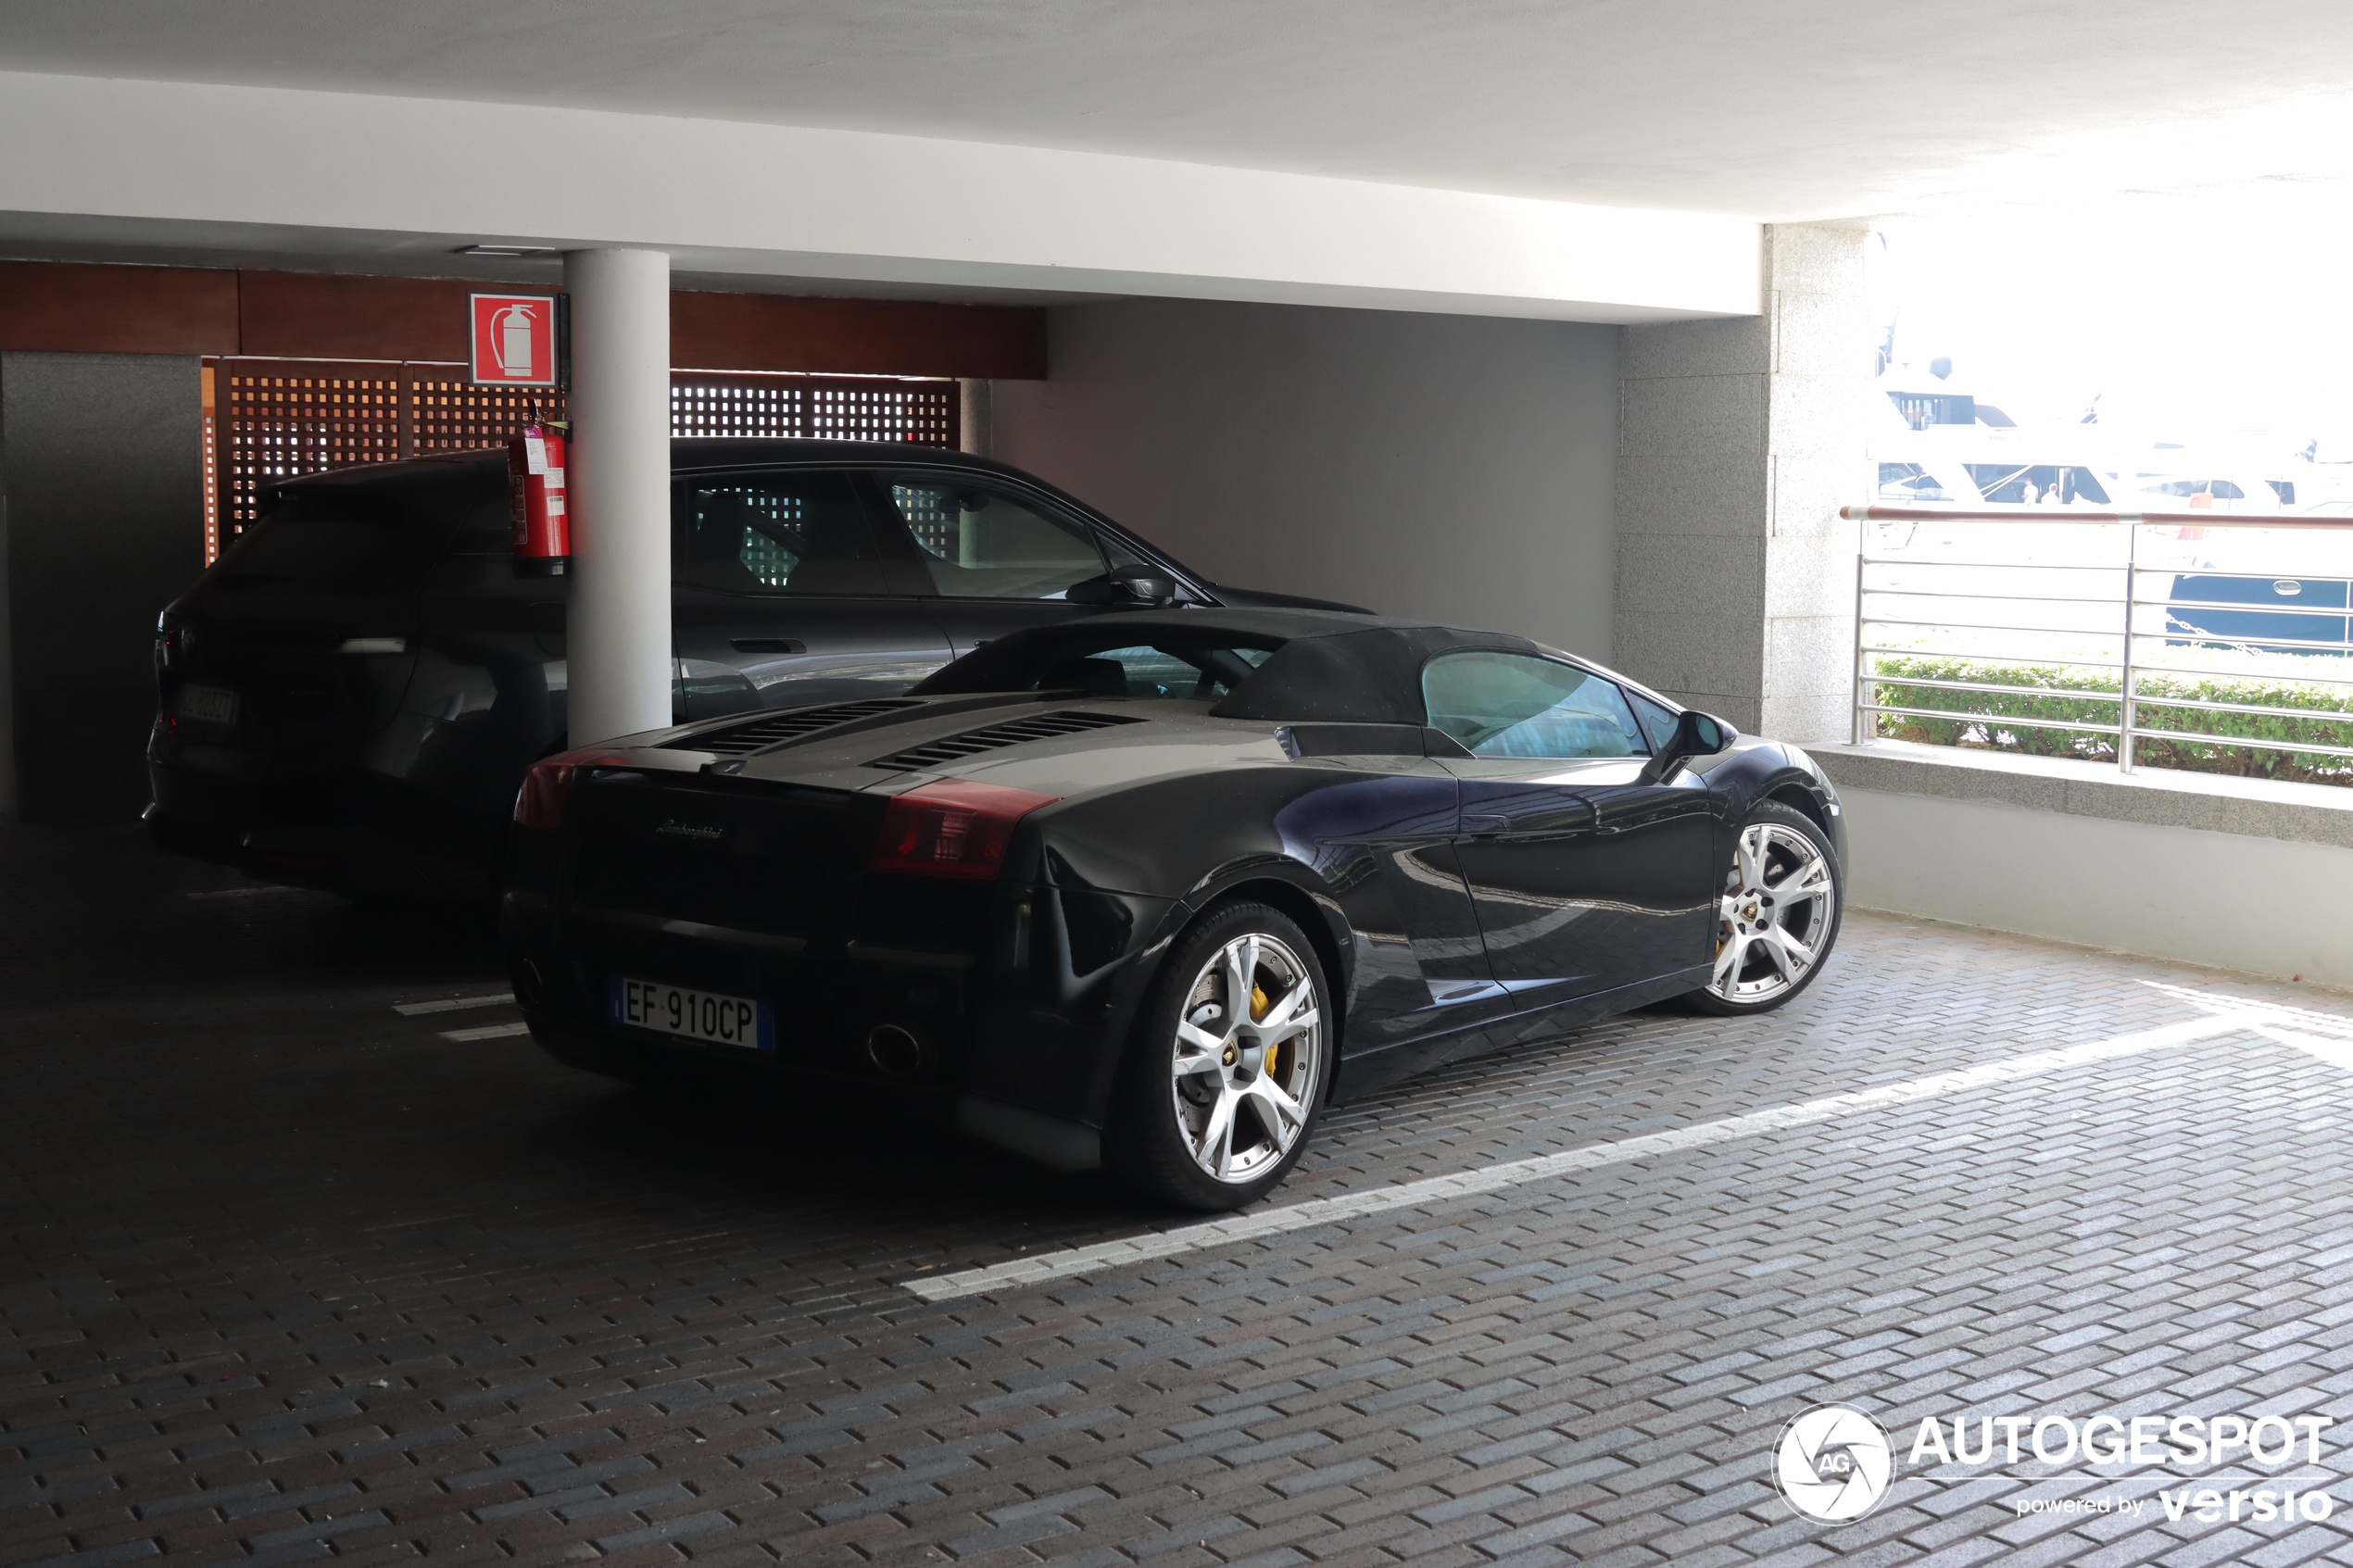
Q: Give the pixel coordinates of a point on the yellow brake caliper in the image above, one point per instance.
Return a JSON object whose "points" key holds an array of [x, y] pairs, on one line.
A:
{"points": [[1259, 1003]]}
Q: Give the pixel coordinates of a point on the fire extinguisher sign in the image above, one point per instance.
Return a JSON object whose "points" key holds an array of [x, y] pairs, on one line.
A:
{"points": [[514, 339]]}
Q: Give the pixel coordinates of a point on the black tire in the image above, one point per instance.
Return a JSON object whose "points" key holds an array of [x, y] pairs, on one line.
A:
{"points": [[1751, 920], [1156, 1112]]}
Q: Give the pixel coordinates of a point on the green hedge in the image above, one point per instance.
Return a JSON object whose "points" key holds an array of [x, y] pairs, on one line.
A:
{"points": [[2000, 720]]}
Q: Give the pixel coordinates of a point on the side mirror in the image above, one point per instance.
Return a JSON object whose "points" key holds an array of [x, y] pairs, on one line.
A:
{"points": [[1697, 734], [1142, 585]]}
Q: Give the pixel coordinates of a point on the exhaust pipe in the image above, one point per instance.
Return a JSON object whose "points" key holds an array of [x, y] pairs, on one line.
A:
{"points": [[893, 1051]]}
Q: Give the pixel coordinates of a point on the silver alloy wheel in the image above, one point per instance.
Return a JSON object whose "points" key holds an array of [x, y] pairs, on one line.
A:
{"points": [[1248, 1047], [1778, 900]]}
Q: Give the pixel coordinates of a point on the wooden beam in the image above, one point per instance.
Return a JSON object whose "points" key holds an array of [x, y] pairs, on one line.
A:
{"points": [[76, 307], [874, 337], [335, 315], [67, 308]]}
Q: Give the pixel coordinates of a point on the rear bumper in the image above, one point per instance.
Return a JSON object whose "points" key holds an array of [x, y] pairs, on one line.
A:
{"points": [[1015, 1050], [348, 829], [1050, 1140]]}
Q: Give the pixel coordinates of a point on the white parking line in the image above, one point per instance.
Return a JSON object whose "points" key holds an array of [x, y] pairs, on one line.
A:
{"points": [[452, 1004], [489, 1032], [2278, 1012], [2334, 1045], [2336, 1053], [247, 892], [1522, 1173]]}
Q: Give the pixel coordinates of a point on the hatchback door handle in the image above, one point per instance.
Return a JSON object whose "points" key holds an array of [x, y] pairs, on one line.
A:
{"points": [[769, 645]]}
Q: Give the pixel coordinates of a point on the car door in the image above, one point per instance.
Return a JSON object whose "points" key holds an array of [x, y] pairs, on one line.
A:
{"points": [[992, 556], [1383, 826], [780, 597], [1587, 874]]}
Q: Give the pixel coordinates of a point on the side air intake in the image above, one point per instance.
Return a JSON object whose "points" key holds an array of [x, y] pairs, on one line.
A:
{"points": [[1018, 732], [739, 740]]}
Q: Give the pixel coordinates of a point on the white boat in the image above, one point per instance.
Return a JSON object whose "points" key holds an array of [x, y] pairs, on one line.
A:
{"points": [[1936, 443]]}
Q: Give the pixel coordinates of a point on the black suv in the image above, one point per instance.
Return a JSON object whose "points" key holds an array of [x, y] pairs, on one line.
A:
{"points": [[350, 697]]}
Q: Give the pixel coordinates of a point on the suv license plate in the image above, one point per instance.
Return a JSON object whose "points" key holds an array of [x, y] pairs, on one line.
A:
{"points": [[211, 705], [693, 1015]]}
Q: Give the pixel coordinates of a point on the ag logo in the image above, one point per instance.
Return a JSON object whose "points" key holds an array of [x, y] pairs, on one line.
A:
{"points": [[1833, 1464]]}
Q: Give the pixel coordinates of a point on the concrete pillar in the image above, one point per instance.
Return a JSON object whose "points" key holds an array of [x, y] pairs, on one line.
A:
{"points": [[975, 417], [619, 462], [1738, 441]]}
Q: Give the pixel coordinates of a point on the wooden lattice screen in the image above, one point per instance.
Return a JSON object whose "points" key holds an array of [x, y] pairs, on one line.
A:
{"points": [[867, 411], [702, 404], [276, 418], [448, 413], [273, 419]]}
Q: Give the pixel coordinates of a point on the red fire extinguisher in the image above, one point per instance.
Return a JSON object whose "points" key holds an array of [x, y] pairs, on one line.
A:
{"points": [[535, 491]]}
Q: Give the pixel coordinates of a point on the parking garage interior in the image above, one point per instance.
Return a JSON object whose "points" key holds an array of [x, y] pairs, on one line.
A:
{"points": [[321, 1242]]}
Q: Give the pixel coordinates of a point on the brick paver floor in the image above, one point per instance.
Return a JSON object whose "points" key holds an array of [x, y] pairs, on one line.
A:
{"points": [[291, 1275]]}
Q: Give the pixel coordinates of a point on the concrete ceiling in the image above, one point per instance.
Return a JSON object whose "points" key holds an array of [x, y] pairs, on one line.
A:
{"points": [[1794, 109], [50, 237]]}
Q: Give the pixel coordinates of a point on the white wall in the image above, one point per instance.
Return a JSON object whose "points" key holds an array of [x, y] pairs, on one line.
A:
{"points": [[2264, 905], [1449, 467], [112, 162]]}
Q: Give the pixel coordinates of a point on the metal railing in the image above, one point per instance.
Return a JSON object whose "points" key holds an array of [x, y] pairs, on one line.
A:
{"points": [[2122, 616]]}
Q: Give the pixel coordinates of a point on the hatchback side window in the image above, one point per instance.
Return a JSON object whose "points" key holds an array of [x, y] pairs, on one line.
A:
{"points": [[1515, 705], [975, 540], [783, 533]]}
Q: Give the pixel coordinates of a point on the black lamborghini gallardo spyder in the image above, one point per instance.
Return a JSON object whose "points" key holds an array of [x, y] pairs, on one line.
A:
{"points": [[1144, 892]]}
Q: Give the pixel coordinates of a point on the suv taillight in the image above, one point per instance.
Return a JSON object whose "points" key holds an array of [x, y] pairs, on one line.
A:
{"points": [[952, 828], [540, 803]]}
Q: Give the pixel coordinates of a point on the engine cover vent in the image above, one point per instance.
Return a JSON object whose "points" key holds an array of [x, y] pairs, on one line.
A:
{"points": [[739, 740], [1015, 732]]}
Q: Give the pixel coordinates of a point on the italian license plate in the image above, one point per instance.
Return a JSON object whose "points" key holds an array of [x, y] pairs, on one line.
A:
{"points": [[211, 705], [695, 1015]]}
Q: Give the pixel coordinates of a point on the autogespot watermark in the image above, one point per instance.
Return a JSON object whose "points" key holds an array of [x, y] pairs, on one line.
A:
{"points": [[1834, 1463]]}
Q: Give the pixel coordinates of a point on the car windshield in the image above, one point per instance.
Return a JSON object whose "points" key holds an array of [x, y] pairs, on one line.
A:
{"points": [[340, 539]]}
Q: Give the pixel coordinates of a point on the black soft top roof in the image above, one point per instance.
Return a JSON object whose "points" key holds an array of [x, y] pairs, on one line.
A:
{"points": [[1326, 667]]}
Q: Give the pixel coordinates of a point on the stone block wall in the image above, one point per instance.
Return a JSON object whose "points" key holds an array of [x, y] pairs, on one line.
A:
{"points": [[1738, 441]]}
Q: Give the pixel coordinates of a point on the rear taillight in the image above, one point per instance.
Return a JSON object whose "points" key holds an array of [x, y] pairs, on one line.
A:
{"points": [[540, 803], [952, 828]]}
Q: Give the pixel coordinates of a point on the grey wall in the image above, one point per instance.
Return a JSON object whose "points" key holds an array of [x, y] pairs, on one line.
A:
{"points": [[1452, 466], [101, 525]]}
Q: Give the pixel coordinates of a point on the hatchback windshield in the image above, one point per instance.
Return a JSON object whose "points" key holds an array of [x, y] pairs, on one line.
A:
{"points": [[334, 539]]}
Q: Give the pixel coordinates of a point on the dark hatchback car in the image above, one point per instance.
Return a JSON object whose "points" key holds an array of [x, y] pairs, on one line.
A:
{"points": [[1145, 892], [350, 697]]}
